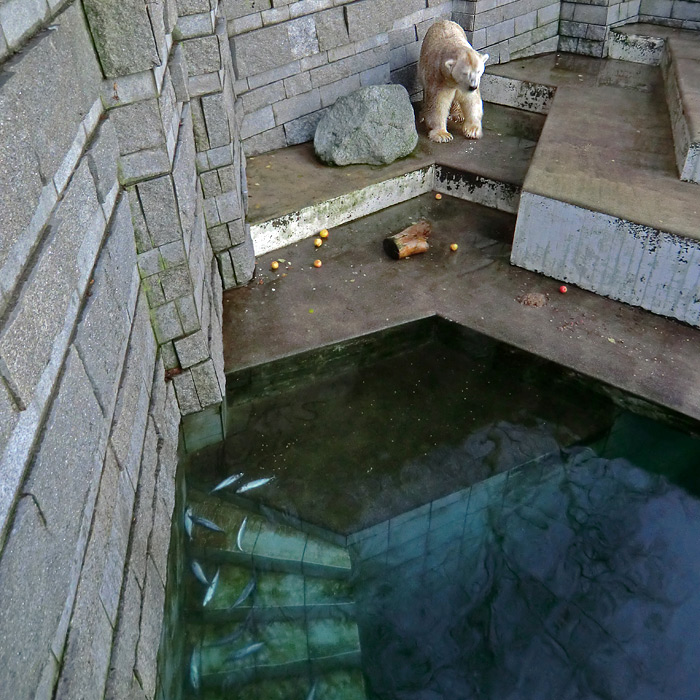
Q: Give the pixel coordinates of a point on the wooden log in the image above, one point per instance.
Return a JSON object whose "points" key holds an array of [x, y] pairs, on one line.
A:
{"points": [[410, 241]]}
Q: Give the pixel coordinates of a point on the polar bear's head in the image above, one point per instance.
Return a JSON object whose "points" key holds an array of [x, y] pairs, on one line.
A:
{"points": [[466, 70]]}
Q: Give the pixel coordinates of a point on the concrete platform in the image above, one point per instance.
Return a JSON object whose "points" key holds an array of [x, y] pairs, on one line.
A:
{"points": [[359, 290], [292, 195], [625, 172], [602, 205]]}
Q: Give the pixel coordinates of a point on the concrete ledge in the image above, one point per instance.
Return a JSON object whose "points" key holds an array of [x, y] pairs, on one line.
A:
{"points": [[630, 44], [610, 256], [681, 70], [276, 233]]}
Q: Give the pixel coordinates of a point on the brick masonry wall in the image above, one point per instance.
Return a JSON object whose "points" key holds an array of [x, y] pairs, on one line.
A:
{"points": [[122, 212]]}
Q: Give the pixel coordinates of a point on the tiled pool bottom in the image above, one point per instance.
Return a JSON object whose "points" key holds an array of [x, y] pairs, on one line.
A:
{"points": [[514, 533], [576, 577]]}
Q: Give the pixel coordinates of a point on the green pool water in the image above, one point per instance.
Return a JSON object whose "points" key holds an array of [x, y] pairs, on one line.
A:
{"points": [[446, 517]]}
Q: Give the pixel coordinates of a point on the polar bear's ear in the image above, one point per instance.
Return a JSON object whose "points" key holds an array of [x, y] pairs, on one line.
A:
{"points": [[450, 64], [484, 57]]}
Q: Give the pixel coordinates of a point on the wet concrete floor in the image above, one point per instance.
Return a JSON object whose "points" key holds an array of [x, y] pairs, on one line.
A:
{"points": [[359, 290]]}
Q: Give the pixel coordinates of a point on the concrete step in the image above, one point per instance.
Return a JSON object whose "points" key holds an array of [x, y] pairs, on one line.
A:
{"points": [[274, 594], [680, 65], [641, 42], [677, 51], [496, 166], [602, 206], [281, 617], [264, 545]]}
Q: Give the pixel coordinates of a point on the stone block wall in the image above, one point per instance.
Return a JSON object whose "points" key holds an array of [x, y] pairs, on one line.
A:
{"points": [[509, 30], [122, 210], [294, 59], [672, 13], [585, 23]]}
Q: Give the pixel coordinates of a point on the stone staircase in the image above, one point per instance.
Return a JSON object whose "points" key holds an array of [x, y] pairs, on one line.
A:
{"points": [[281, 620], [610, 202], [677, 51]]}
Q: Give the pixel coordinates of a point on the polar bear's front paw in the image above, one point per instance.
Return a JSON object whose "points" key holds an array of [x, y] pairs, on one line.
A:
{"points": [[472, 131], [440, 136]]}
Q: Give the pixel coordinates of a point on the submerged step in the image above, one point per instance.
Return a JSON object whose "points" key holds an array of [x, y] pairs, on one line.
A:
{"points": [[342, 684], [250, 538], [271, 594], [278, 649]]}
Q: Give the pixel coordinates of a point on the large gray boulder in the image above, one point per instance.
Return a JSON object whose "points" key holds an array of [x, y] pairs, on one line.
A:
{"points": [[374, 124]]}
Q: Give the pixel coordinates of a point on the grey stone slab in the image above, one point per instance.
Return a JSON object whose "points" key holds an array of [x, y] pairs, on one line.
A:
{"points": [[101, 337], [102, 154], [143, 508], [122, 33], [240, 8], [20, 19], [262, 50], [219, 237], [176, 282], [201, 138], [185, 174], [44, 545], [221, 156], [192, 26], [297, 106], [166, 323], [129, 420], [179, 74], [370, 17], [202, 55], [60, 70], [150, 630], [228, 206], [192, 349], [55, 275], [89, 644], [331, 29], [117, 540], [160, 210], [238, 231], [217, 120], [192, 7], [211, 185], [302, 129], [206, 381], [302, 37], [243, 261], [173, 254], [9, 412], [187, 311], [150, 263], [121, 667], [204, 84], [138, 126], [142, 165], [121, 249], [186, 393]]}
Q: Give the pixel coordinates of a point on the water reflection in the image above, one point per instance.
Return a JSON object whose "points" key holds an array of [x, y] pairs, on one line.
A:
{"points": [[573, 577]]}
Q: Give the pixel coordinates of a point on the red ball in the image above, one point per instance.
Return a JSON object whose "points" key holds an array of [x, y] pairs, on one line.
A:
{"points": [[563, 289]]}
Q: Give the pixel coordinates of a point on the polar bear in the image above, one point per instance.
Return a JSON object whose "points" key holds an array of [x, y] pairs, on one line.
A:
{"points": [[449, 70]]}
